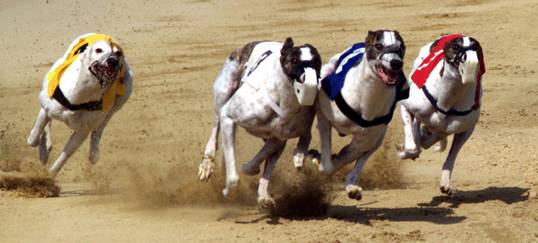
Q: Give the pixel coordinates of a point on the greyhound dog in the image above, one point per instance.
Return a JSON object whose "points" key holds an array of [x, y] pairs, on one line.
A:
{"points": [[362, 86], [269, 89], [445, 98], [83, 89]]}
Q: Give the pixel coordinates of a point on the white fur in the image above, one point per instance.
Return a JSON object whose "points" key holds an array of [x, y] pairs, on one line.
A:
{"points": [[365, 93], [306, 55], [79, 86], [249, 108], [451, 93]]}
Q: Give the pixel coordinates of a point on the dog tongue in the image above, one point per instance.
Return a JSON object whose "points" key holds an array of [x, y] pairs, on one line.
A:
{"points": [[385, 77]]}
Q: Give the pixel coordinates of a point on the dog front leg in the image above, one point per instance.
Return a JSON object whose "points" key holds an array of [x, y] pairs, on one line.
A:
{"points": [[448, 166], [302, 149], [325, 130], [37, 130], [95, 139], [411, 150], [228, 142], [72, 145], [354, 191], [265, 200]]}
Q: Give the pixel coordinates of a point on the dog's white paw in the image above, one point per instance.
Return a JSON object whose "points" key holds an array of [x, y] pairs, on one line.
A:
{"points": [[266, 202], [354, 192], [33, 139], [206, 168], [441, 145], [444, 185], [409, 154], [316, 160], [250, 168], [298, 160], [231, 182]]}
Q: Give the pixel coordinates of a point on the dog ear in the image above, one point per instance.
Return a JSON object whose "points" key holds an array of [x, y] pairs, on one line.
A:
{"points": [[370, 39], [288, 44]]}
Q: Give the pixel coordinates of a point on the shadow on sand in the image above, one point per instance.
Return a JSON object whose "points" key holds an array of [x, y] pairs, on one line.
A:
{"points": [[425, 212], [507, 195]]}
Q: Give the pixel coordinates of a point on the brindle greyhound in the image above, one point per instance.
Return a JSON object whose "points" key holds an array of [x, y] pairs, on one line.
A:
{"points": [[445, 98], [257, 90]]}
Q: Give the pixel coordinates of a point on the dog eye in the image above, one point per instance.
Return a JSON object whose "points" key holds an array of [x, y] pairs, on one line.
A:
{"points": [[98, 50], [378, 46], [119, 53]]}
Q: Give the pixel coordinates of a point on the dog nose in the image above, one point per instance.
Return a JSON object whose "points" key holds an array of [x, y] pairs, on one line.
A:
{"points": [[112, 62], [396, 64]]}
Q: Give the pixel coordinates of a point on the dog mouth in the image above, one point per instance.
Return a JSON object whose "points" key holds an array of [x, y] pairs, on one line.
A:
{"points": [[387, 76], [105, 73]]}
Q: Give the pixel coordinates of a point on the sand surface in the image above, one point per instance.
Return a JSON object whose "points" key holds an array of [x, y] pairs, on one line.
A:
{"points": [[144, 188]]}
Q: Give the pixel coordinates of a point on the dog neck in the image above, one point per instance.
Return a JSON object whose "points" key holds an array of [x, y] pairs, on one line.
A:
{"points": [[450, 91], [365, 92], [79, 85], [280, 88]]}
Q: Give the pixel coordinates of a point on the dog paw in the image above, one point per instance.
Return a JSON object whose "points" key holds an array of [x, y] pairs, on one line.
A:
{"points": [[249, 169], [266, 202], [441, 145], [448, 190], [231, 182], [32, 140], [354, 192], [409, 154], [205, 169], [298, 160], [94, 157]]}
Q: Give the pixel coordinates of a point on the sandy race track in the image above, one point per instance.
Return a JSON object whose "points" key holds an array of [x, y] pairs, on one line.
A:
{"points": [[144, 188]]}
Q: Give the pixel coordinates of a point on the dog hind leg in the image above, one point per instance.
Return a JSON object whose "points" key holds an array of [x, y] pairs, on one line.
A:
{"points": [[265, 200], [45, 145], [224, 87], [227, 132], [252, 167], [37, 130]]}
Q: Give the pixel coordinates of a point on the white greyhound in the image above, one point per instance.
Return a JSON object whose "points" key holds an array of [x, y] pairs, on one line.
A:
{"points": [[445, 98], [359, 99], [83, 89], [269, 89]]}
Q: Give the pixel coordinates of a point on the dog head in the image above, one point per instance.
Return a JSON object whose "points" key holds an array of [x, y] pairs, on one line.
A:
{"points": [[295, 60], [302, 65], [385, 51], [104, 60], [464, 54]]}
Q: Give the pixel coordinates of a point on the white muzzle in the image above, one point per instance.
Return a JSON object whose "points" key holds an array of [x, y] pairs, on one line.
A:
{"points": [[306, 90]]}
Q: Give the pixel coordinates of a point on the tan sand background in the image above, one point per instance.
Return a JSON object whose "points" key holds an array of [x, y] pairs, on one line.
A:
{"points": [[144, 187]]}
